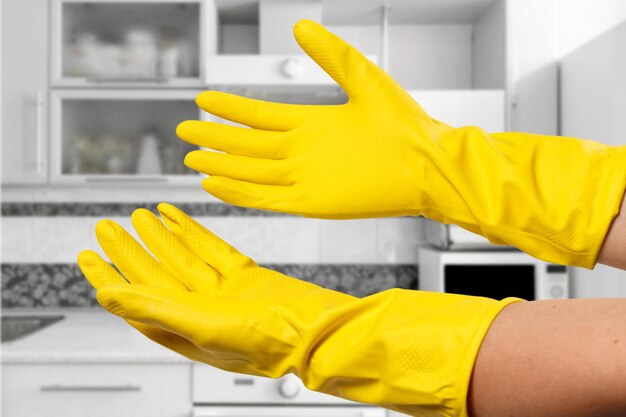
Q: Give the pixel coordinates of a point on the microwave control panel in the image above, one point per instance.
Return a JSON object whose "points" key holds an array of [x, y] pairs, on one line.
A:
{"points": [[555, 285]]}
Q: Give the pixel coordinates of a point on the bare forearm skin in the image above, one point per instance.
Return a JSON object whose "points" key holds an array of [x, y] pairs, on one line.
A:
{"points": [[553, 358]]}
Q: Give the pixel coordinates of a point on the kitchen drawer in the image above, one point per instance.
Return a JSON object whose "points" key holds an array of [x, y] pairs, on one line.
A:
{"points": [[83, 390]]}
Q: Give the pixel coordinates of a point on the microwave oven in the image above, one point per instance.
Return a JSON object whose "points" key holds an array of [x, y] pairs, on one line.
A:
{"points": [[495, 274]]}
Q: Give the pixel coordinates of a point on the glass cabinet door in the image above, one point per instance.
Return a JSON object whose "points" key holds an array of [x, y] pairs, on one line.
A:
{"points": [[108, 43], [119, 135]]}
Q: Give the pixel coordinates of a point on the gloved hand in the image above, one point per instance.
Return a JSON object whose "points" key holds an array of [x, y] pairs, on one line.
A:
{"points": [[380, 154], [410, 351]]}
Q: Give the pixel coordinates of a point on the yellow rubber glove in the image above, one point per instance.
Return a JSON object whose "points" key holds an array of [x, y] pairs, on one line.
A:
{"points": [[411, 351], [380, 154]]}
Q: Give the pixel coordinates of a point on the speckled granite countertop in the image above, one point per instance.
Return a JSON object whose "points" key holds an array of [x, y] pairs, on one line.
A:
{"points": [[84, 336]]}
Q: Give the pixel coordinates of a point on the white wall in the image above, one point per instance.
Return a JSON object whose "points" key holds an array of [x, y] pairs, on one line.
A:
{"points": [[579, 21]]}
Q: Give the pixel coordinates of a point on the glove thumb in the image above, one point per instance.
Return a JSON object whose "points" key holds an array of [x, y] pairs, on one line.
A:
{"points": [[347, 66]]}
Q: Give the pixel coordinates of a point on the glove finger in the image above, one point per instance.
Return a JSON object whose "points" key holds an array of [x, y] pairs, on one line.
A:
{"points": [[247, 194], [180, 261], [232, 139], [97, 271], [131, 259], [347, 66], [213, 250], [244, 168], [100, 274], [257, 114]]}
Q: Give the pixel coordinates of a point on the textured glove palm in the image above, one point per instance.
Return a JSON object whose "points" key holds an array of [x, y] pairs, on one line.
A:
{"points": [[410, 351], [380, 154]]}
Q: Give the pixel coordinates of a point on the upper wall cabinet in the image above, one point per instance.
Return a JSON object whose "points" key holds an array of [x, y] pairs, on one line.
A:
{"points": [[139, 44], [424, 45]]}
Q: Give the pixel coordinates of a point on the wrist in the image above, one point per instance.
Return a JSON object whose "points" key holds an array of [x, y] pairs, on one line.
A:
{"points": [[613, 250]]}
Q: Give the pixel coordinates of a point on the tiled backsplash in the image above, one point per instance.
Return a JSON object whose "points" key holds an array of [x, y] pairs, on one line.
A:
{"points": [[63, 285], [41, 242], [28, 209]]}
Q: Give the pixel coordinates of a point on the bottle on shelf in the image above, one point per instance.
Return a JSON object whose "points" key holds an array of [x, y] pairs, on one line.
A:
{"points": [[149, 161]]}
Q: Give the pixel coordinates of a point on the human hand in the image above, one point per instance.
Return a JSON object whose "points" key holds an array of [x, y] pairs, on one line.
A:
{"points": [[380, 154], [193, 269], [358, 159], [410, 351]]}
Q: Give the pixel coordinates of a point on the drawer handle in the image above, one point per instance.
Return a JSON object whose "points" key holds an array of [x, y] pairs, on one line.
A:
{"points": [[128, 178], [102, 80], [207, 411], [90, 388]]}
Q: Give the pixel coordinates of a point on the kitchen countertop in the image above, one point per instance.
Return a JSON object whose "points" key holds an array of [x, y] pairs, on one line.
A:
{"points": [[84, 336]]}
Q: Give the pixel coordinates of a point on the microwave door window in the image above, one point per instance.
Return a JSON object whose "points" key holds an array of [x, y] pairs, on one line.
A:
{"points": [[493, 281]]}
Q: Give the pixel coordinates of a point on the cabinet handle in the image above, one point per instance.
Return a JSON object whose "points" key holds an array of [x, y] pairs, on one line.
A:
{"points": [[90, 388], [40, 132], [104, 80], [207, 411], [126, 179]]}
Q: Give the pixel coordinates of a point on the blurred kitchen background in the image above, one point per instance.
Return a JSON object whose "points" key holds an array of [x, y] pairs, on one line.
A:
{"points": [[92, 91]]}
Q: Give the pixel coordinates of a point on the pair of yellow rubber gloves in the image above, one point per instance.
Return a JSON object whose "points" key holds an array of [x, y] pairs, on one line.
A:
{"points": [[377, 155]]}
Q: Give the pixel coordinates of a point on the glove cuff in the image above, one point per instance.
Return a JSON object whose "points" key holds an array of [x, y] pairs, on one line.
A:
{"points": [[552, 197], [409, 351], [451, 399]]}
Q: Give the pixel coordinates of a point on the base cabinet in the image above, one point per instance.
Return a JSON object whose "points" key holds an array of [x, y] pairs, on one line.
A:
{"points": [[84, 390]]}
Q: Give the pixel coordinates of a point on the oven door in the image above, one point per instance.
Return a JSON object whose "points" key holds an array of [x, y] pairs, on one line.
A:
{"points": [[287, 411]]}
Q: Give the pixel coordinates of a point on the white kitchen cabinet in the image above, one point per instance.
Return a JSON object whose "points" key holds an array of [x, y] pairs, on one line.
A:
{"points": [[453, 61], [120, 136], [139, 44], [480, 45], [24, 91], [429, 44], [96, 390]]}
